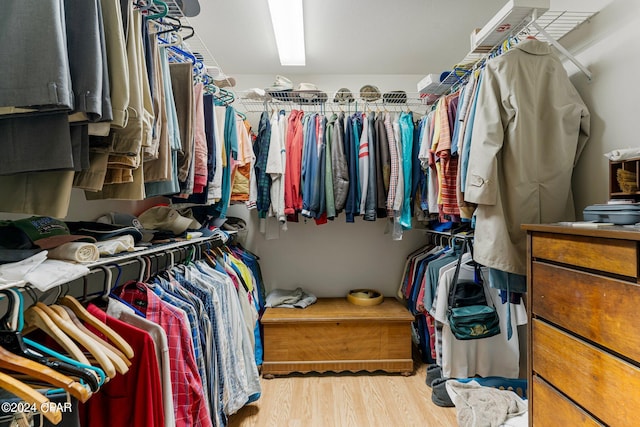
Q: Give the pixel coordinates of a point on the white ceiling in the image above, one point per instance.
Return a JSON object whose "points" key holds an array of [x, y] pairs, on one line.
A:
{"points": [[345, 36], [351, 37]]}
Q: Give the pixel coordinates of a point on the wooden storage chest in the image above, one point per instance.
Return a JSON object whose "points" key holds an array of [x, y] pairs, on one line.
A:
{"points": [[335, 335]]}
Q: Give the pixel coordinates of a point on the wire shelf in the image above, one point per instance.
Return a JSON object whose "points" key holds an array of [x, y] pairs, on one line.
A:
{"points": [[320, 101], [555, 23]]}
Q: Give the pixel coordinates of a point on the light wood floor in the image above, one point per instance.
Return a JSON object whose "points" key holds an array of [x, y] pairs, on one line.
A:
{"points": [[345, 400]]}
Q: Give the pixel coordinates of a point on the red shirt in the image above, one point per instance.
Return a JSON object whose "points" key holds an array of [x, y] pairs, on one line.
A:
{"points": [[132, 399], [293, 146]]}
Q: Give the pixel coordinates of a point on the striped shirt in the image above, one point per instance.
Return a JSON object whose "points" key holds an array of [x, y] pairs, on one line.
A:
{"points": [[395, 165]]}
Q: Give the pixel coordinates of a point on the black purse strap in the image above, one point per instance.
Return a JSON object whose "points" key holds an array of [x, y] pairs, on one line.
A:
{"points": [[452, 291], [477, 273]]}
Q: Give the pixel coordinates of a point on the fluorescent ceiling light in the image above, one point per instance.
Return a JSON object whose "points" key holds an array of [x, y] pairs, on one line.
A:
{"points": [[288, 27]]}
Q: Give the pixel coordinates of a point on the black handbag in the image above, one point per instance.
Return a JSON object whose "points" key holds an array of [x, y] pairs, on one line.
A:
{"points": [[470, 317]]}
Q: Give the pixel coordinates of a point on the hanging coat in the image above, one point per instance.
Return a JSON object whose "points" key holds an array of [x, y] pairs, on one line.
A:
{"points": [[529, 130]]}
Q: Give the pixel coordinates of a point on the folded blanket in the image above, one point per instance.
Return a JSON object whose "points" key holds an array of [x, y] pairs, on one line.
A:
{"points": [[290, 298], [477, 405], [75, 251]]}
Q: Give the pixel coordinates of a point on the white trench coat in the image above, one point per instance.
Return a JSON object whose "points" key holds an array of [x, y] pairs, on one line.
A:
{"points": [[529, 130]]}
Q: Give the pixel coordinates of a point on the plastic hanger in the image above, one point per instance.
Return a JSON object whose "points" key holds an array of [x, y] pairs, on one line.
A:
{"points": [[161, 14], [174, 23]]}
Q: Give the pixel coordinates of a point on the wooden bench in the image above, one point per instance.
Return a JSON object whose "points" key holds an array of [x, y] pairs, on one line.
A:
{"points": [[335, 335]]}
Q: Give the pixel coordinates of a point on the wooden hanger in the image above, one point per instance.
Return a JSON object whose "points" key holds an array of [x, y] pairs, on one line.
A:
{"points": [[89, 318], [30, 396], [15, 363], [84, 340], [35, 318], [103, 342], [117, 359]]}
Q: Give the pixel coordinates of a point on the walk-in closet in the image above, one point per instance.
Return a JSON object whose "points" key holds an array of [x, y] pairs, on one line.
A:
{"points": [[266, 213]]}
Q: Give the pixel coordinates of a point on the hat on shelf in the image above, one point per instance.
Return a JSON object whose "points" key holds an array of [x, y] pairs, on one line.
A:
{"points": [[308, 93], [220, 79], [38, 232], [257, 94], [370, 93], [15, 255], [126, 220], [167, 218], [343, 96], [102, 231], [281, 88], [189, 8], [395, 97]]}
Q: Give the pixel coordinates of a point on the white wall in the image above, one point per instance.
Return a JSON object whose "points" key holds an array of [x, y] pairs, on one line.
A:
{"points": [[608, 46]]}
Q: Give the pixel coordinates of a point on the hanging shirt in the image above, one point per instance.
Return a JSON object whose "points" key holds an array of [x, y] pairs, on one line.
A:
{"points": [[406, 128], [328, 175], [363, 163], [127, 314], [351, 143], [369, 213], [189, 399], [131, 399], [231, 153], [399, 198], [263, 179], [293, 146], [318, 201], [383, 166], [276, 163], [200, 141], [240, 186], [340, 170], [493, 356], [395, 164], [309, 164]]}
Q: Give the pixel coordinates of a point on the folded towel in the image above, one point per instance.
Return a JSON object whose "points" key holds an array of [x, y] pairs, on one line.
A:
{"points": [[477, 405], [116, 245], [623, 154], [53, 273], [75, 251]]}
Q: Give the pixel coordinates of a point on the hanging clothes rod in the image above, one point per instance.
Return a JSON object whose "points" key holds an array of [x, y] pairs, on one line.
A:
{"points": [[467, 235], [128, 267]]}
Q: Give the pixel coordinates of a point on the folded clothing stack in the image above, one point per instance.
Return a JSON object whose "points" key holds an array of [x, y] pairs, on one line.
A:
{"points": [[627, 181]]}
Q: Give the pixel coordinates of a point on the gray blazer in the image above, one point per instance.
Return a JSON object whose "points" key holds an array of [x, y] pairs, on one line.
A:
{"points": [[339, 164]]}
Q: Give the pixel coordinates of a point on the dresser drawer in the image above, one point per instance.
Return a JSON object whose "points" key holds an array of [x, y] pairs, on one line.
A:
{"points": [[609, 255], [551, 409], [608, 386], [598, 308]]}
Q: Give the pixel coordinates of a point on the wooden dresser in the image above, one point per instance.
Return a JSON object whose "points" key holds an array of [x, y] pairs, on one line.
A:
{"points": [[335, 335], [584, 326]]}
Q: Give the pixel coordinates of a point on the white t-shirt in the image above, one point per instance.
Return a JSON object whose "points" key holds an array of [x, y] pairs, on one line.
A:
{"points": [[493, 356]]}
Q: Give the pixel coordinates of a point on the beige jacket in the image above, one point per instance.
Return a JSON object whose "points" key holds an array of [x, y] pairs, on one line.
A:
{"points": [[529, 130]]}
